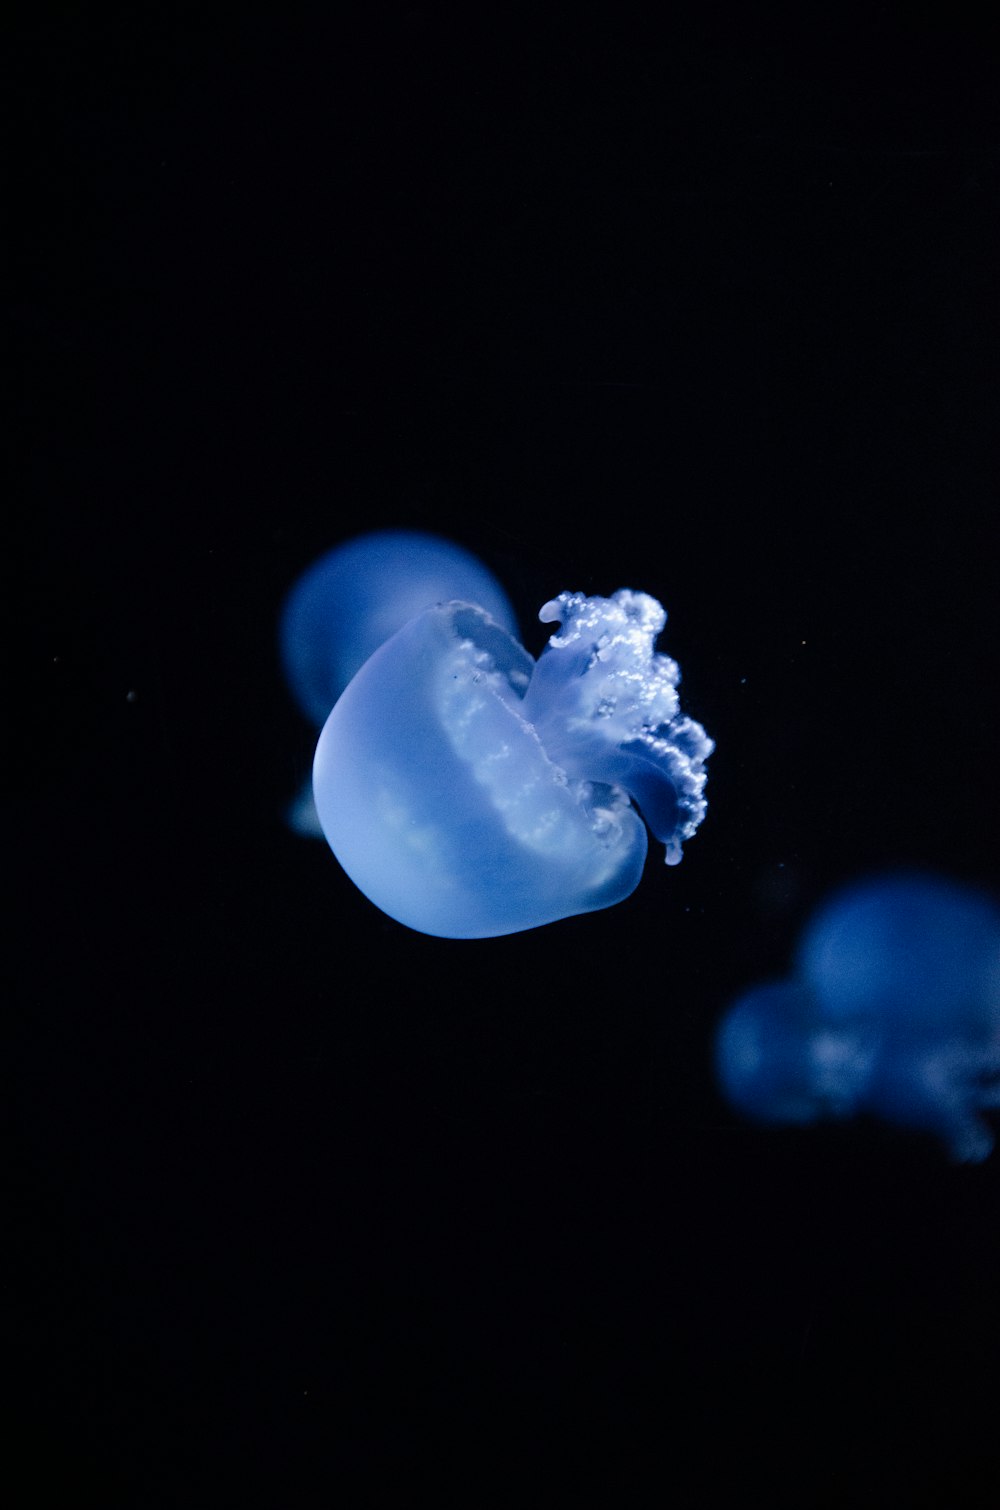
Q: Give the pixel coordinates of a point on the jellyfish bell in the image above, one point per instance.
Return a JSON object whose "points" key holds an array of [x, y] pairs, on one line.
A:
{"points": [[893, 1010], [778, 1062], [470, 793], [356, 596], [908, 945]]}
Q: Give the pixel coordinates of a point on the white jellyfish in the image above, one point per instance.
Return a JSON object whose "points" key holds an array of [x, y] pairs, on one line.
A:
{"points": [[469, 791]]}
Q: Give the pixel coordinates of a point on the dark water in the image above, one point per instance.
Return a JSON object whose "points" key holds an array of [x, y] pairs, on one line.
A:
{"points": [[311, 1208]]}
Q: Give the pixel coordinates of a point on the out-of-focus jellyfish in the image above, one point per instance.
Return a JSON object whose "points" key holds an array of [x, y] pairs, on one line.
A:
{"points": [[357, 595], [469, 791], [893, 1011], [354, 598]]}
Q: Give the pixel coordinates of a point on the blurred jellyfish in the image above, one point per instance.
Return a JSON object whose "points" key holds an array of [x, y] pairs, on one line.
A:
{"points": [[355, 597], [351, 601], [894, 1011], [470, 792]]}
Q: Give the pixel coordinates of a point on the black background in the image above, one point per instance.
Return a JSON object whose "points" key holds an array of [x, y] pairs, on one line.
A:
{"points": [[309, 1208]]}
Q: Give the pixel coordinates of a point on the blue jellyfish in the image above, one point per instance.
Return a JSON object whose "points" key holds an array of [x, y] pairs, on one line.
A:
{"points": [[893, 1010], [357, 595], [470, 792], [353, 599]]}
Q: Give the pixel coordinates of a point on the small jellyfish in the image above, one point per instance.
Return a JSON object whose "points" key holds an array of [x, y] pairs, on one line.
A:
{"points": [[357, 595], [893, 1011], [351, 601], [470, 792]]}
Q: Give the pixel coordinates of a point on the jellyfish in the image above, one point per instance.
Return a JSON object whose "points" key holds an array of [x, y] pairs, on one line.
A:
{"points": [[357, 595], [353, 599], [472, 792], [893, 1010]]}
